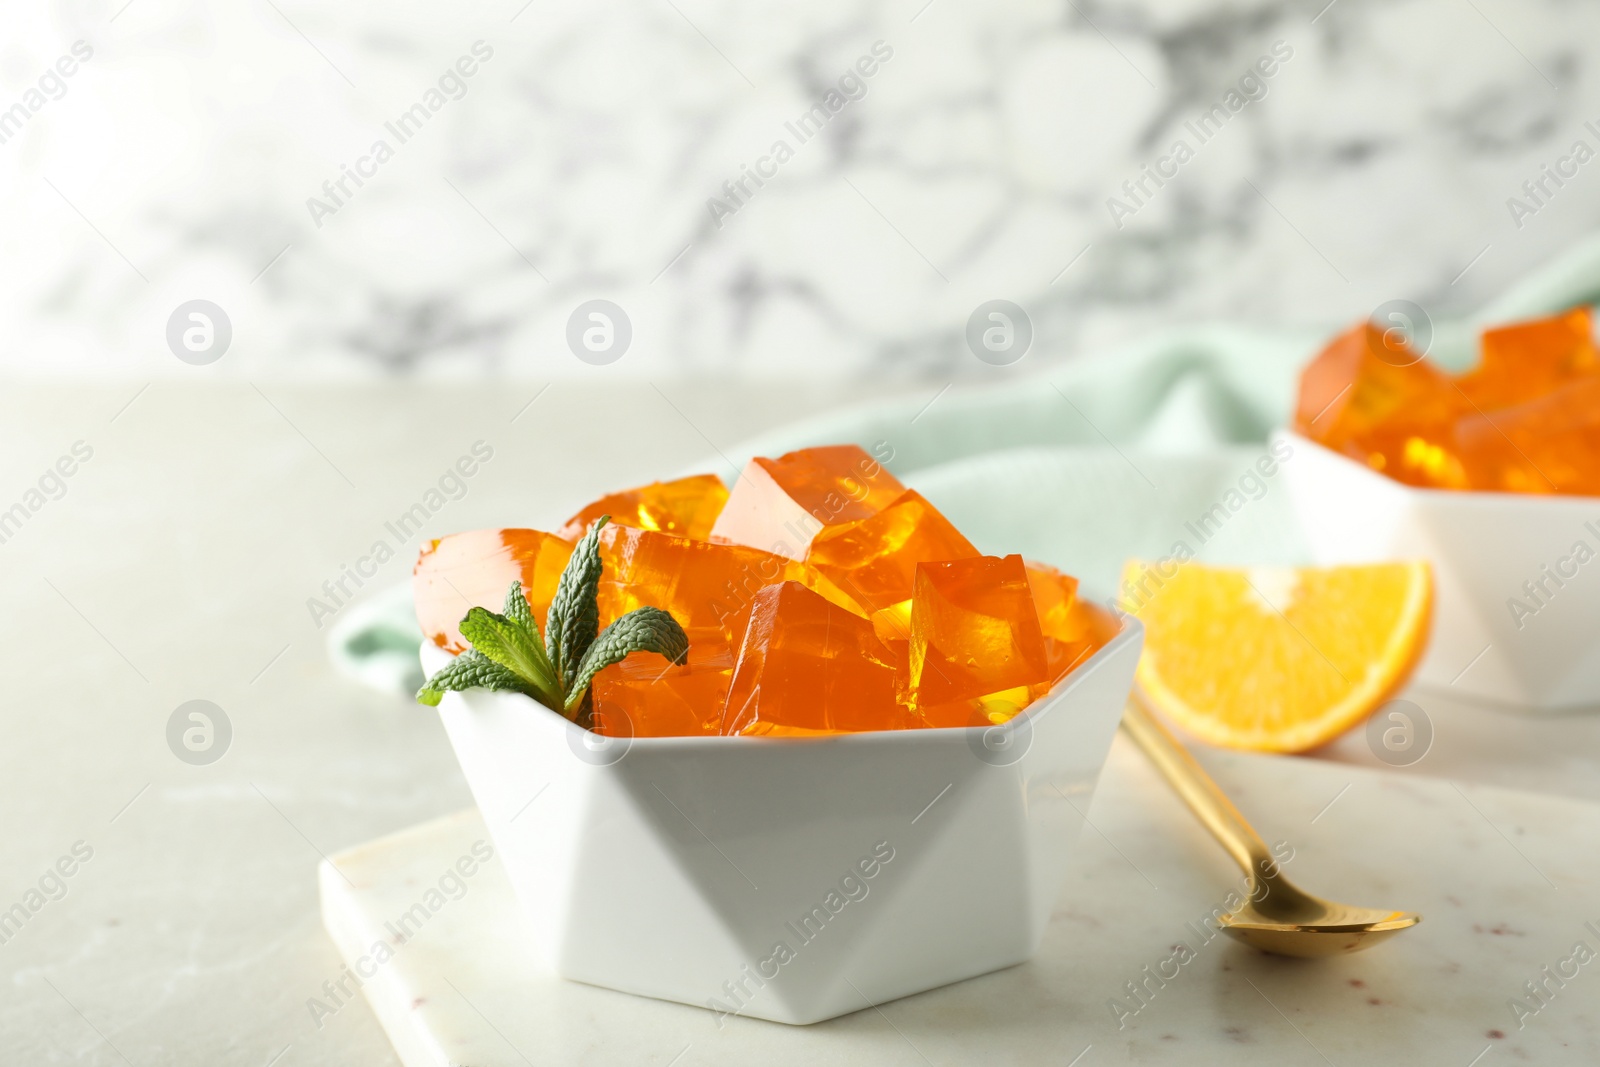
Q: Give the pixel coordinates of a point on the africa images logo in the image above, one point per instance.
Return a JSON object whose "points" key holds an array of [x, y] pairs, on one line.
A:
{"points": [[451, 85], [850, 87]]}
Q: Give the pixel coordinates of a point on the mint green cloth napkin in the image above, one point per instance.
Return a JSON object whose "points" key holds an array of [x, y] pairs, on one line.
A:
{"points": [[1082, 464]]}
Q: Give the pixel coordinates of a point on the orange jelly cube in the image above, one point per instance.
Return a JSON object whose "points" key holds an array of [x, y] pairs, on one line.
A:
{"points": [[474, 569], [645, 696], [1370, 397], [875, 559], [1527, 360], [974, 630], [1547, 445], [1073, 629], [1089, 627], [704, 585], [779, 505], [991, 709], [1054, 595], [807, 665], [893, 625], [686, 506]]}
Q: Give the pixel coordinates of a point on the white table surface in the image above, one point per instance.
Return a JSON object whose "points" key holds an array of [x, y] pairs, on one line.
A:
{"points": [[177, 566]]}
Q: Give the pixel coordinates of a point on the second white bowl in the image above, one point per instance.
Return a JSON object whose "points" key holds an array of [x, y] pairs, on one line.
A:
{"points": [[1517, 615]]}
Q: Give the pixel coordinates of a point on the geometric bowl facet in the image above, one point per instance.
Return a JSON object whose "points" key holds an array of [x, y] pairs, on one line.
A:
{"points": [[1516, 619], [790, 880]]}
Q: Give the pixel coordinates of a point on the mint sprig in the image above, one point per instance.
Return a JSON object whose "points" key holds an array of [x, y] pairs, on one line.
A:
{"points": [[508, 653]]}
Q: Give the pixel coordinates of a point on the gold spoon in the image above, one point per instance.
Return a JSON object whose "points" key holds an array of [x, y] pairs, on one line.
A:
{"points": [[1278, 917]]}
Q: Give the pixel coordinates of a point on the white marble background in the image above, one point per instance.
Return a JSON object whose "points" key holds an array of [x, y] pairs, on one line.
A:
{"points": [[581, 158]]}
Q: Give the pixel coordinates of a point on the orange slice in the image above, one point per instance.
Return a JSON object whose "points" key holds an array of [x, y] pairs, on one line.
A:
{"points": [[1276, 659]]}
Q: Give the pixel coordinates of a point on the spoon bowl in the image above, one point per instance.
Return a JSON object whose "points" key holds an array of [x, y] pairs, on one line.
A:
{"points": [[1291, 922], [1321, 939]]}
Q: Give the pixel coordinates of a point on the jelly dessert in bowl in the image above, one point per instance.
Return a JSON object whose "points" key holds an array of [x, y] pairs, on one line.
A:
{"points": [[1492, 474], [782, 751]]}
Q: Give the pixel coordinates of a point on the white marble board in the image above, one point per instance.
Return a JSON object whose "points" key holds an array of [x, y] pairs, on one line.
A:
{"points": [[1506, 882]]}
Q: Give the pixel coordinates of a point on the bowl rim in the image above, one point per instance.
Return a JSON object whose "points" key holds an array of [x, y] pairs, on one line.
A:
{"points": [[1480, 498], [1132, 632]]}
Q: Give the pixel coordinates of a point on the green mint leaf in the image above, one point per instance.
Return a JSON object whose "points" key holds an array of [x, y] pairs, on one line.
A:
{"points": [[513, 647], [517, 609], [641, 630], [574, 617], [470, 670], [518, 612]]}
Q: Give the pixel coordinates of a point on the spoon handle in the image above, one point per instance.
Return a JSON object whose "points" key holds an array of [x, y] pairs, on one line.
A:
{"points": [[1209, 803]]}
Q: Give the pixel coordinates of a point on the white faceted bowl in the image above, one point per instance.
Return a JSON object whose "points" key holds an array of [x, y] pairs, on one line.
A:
{"points": [[1483, 547], [674, 867]]}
